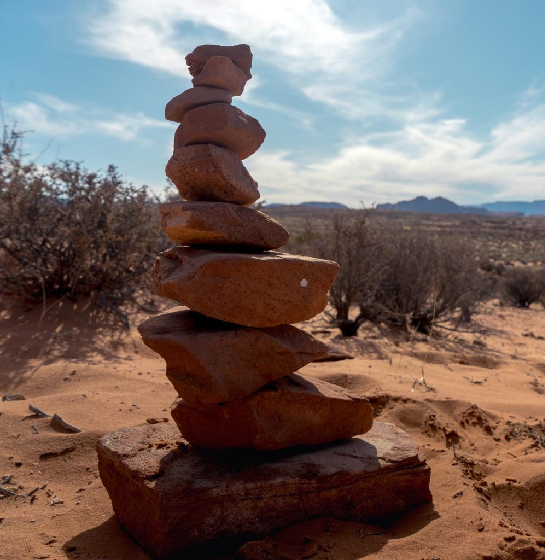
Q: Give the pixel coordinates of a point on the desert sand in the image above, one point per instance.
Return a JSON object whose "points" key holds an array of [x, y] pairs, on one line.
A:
{"points": [[474, 401]]}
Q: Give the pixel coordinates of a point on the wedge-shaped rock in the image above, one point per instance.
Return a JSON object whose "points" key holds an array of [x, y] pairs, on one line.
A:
{"points": [[221, 223], [208, 172], [256, 290], [178, 106], [295, 410], [241, 55], [223, 125], [171, 497], [221, 72], [209, 361]]}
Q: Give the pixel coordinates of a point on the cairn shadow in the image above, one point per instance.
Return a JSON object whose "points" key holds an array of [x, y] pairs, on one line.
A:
{"points": [[34, 336]]}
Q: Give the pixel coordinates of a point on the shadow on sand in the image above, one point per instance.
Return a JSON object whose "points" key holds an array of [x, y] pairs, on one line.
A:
{"points": [[39, 335]]}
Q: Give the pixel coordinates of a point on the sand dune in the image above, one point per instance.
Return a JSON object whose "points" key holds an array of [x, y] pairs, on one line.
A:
{"points": [[475, 402]]}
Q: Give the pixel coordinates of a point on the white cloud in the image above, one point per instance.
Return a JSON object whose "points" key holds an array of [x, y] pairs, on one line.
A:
{"points": [[57, 118], [351, 70], [321, 56], [431, 159]]}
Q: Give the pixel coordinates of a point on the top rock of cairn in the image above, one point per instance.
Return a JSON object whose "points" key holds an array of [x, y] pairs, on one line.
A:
{"points": [[233, 358]]}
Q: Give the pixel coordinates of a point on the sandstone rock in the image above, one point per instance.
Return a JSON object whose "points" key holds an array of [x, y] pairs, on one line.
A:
{"points": [[209, 361], [171, 497], [221, 223], [208, 172], [294, 410], [256, 290], [334, 354], [241, 55], [223, 125], [221, 72], [178, 106]]}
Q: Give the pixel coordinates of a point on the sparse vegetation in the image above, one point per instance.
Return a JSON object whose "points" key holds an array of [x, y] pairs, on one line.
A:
{"points": [[396, 275], [69, 232], [524, 286]]}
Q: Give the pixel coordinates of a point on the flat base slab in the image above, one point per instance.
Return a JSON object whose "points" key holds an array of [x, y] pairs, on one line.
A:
{"points": [[171, 496]]}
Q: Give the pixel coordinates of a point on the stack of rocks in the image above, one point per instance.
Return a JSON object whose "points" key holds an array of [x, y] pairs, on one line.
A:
{"points": [[232, 354]]}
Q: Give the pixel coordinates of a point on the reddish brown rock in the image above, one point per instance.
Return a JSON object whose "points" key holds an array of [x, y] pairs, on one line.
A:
{"points": [[209, 361], [294, 410], [208, 172], [334, 354], [221, 223], [178, 106], [241, 55], [256, 290], [223, 125], [221, 72], [172, 498]]}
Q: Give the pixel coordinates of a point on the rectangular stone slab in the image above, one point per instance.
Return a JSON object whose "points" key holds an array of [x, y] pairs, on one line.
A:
{"points": [[173, 497]]}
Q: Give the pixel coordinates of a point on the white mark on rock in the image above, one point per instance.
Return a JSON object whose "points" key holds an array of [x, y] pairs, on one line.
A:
{"points": [[304, 283]]}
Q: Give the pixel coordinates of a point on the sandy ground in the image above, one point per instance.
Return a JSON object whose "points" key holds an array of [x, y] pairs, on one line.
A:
{"points": [[479, 419]]}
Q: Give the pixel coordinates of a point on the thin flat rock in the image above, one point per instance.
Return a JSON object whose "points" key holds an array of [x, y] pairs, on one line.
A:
{"points": [[294, 410], [334, 354], [221, 223], [173, 498], [210, 361], [255, 290], [223, 125], [178, 106], [210, 173], [241, 55]]}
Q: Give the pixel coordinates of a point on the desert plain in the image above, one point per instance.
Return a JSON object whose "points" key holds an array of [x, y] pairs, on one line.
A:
{"points": [[473, 400]]}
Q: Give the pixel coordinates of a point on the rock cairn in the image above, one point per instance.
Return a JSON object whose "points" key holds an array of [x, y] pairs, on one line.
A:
{"points": [[233, 355]]}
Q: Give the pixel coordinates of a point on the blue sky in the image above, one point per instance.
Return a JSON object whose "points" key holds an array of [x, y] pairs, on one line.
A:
{"points": [[361, 100]]}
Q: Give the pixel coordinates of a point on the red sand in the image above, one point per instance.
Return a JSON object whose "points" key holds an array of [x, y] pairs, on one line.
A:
{"points": [[480, 422]]}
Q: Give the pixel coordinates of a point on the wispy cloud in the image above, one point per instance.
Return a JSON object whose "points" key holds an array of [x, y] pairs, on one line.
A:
{"points": [[351, 72], [319, 54], [53, 117], [435, 159]]}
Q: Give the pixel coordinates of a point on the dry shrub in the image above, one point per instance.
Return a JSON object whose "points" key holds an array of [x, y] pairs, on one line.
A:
{"points": [[69, 232], [426, 281], [524, 286], [347, 239], [396, 275]]}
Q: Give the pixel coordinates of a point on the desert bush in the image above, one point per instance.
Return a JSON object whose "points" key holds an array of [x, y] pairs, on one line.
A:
{"points": [[426, 281], [397, 275], [69, 232], [347, 239], [524, 286]]}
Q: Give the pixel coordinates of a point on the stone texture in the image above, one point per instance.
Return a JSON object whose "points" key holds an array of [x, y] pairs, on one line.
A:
{"points": [[223, 125], [294, 410], [178, 106], [208, 172], [334, 354], [241, 55], [256, 290], [221, 223], [211, 503], [221, 72], [209, 361]]}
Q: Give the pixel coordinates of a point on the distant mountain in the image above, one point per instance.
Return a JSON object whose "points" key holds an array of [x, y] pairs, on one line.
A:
{"points": [[317, 204], [527, 208], [437, 205]]}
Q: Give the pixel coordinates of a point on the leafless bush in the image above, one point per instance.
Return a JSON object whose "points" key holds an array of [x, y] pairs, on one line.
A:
{"points": [[524, 286], [426, 281], [347, 239], [69, 232], [395, 274]]}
